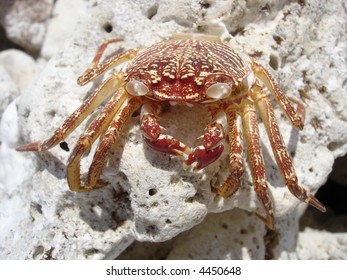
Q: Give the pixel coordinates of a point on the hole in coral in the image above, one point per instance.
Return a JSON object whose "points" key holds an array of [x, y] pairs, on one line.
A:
{"points": [[152, 192], [38, 251], [91, 252], [52, 113], [273, 62], [152, 11], [168, 221], [37, 207], [108, 27], [225, 226], [152, 229], [155, 204], [302, 3], [26, 113], [266, 8], [332, 146], [205, 4], [278, 39], [64, 146], [190, 199], [238, 31]]}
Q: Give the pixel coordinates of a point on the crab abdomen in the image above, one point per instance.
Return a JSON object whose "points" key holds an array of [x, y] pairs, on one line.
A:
{"points": [[182, 70]]}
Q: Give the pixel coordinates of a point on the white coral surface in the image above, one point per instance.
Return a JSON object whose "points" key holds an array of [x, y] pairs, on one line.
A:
{"points": [[150, 197]]}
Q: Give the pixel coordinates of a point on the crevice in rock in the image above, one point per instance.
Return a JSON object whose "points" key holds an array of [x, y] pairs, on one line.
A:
{"points": [[271, 241], [152, 11]]}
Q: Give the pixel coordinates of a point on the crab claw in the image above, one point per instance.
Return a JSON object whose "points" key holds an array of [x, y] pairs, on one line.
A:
{"points": [[169, 145], [203, 157]]}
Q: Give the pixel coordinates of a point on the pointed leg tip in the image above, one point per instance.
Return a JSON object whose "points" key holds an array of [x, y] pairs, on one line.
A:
{"points": [[316, 204], [268, 220], [31, 147]]}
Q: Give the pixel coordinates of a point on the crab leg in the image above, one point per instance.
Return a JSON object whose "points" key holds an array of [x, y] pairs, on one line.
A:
{"points": [[152, 133], [282, 157], [250, 127], [233, 182], [95, 69], [295, 116], [105, 90], [116, 121]]}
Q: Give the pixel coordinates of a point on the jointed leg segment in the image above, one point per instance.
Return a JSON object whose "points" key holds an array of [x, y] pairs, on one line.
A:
{"points": [[255, 156], [295, 116], [115, 125], [95, 69], [233, 182], [116, 106], [279, 149], [104, 91], [111, 120], [259, 100]]}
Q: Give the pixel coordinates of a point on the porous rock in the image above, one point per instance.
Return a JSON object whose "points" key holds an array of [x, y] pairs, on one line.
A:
{"points": [[21, 67], [149, 196], [25, 21], [322, 236], [8, 87], [61, 24]]}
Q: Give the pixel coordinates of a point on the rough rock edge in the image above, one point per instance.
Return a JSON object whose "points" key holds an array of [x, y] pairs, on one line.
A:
{"points": [[340, 151]]}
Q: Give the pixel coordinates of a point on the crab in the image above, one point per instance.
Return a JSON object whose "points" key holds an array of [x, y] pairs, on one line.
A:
{"points": [[185, 71]]}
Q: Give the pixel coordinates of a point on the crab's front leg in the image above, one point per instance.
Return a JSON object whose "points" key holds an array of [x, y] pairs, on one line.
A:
{"points": [[153, 136]]}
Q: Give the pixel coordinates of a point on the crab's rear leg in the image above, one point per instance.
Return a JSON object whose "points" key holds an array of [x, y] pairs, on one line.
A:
{"points": [[85, 141], [153, 136], [114, 121], [256, 160], [282, 157]]}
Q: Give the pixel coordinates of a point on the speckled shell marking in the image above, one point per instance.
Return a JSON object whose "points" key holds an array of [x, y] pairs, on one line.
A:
{"points": [[182, 70]]}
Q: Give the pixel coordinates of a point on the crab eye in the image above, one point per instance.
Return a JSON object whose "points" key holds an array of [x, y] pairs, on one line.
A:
{"points": [[136, 88], [219, 91]]}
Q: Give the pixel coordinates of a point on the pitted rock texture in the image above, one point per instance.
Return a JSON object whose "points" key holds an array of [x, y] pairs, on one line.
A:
{"points": [[150, 197]]}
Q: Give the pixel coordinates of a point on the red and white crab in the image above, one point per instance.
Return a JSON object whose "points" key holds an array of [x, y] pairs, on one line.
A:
{"points": [[185, 72]]}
